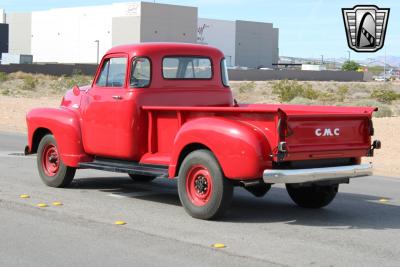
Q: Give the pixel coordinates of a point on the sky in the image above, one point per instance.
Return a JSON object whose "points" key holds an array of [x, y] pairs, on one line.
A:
{"points": [[308, 28]]}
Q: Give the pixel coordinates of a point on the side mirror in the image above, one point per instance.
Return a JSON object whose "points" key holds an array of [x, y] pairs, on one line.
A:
{"points": [[76, 90]]}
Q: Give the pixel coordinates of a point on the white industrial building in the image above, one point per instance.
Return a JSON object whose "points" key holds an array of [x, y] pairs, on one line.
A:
{"points": [[72, 35]]}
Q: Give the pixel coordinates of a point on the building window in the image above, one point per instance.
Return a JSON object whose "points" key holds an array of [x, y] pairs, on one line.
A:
{"points": [[113, 73], [185, 67], [141, 72]]}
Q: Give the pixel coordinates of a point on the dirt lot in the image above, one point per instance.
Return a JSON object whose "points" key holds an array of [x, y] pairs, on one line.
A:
{"points": [[386, 160]]}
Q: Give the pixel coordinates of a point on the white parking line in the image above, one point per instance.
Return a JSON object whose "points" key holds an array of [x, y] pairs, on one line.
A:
{"points": [[133, 194], [143, 191]]}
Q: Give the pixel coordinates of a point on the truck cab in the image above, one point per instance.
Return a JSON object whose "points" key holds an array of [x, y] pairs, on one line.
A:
{"points": [[165, 110]]}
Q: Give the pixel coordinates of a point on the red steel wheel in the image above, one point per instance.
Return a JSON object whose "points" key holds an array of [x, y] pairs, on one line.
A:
{"points": [[50, 160], [199, 185], [52, 170], [204, 191]]}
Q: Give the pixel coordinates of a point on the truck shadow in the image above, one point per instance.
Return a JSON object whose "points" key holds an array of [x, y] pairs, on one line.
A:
{"points": [[347, 211]]}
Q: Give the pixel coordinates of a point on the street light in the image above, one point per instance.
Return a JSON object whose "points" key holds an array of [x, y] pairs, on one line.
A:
{"points": [[98, 50]]}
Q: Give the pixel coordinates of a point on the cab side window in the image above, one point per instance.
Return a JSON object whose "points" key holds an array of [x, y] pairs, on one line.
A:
{"points": [[113, 73], [140, 72]]}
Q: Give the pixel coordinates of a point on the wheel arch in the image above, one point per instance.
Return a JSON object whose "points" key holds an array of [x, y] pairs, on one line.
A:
{"points": [[64, 124], [38, 135], [189, 148], [241, 150]]}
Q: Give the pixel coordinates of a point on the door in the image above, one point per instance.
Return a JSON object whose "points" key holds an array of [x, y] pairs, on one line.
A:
{"points": [[102, 116]]}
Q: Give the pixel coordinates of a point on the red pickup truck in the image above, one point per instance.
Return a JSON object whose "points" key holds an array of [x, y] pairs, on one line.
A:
{"points": [[166, 110]]}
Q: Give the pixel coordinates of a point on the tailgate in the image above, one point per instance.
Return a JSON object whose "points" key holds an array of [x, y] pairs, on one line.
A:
{"points": [[326, 135]]}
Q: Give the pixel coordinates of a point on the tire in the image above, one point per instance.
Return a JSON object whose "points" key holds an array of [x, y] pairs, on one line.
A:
{"points": [[142, 178], [313, 196], [203, 190], [52, 170]]}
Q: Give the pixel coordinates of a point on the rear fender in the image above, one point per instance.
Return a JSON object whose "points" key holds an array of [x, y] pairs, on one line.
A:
{"points": [[65, 126], [241, 149]]}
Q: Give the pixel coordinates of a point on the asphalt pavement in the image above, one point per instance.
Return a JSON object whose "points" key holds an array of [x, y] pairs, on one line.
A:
{"points": [[361, 226]]}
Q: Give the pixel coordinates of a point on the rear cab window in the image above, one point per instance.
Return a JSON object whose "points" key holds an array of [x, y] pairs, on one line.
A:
{"points": [[224, 73], [140, 72], [187, 68]]}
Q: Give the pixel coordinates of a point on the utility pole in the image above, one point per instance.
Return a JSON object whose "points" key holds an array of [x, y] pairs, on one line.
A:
{"points": [[98, 50], [322, 59]]}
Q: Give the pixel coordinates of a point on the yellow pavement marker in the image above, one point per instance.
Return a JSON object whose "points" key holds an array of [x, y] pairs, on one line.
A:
{"points": [[218, 245], [120, 223], [24, 196], [57, 203], [42, 205]]}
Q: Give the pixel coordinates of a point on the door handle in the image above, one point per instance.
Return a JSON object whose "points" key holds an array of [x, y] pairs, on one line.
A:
{"points": [[117, 97]]}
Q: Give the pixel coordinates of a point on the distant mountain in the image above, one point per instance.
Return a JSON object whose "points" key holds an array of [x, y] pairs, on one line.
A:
{"points": [[393, 61], [390, 60]]}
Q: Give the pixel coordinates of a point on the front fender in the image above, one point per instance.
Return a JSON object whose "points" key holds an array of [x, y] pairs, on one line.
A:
{"points": [[241, 149], [65, 126]]}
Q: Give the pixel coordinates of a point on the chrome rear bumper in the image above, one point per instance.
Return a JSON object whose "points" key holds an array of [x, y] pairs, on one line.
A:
{"points": [[276, 176]]}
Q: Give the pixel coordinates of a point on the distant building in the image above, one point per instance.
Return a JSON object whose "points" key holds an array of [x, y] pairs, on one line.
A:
{"points": [[70, 35], [245, 43], [4, 33], [313, 67]]}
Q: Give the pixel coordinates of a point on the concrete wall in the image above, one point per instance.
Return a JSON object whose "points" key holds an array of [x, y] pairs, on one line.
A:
{"points": [[51, 69], [234, 75], [263, 75], [254, 43], [168, 23], [19, 33], [125, 30], [220, 34]]}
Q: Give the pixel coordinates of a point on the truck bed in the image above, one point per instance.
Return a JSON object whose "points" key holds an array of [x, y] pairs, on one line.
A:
{"points": [[293, 124]]}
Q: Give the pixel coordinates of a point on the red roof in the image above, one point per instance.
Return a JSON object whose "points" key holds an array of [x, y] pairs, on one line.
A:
{"points": [[150, 49]]}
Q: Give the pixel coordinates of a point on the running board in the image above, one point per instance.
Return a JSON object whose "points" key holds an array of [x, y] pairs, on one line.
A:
{"points": [[130, 167]]}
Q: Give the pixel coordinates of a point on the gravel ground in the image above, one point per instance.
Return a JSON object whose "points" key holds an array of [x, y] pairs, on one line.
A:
{"points": [[13, 110]]}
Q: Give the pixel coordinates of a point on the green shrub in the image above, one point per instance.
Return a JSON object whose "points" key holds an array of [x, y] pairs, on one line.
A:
{"points": [[6, 92], [385, 95], [309, 92], [77, 79], [3, 77], [350, 65], [30, 83], [383, 109], [288, 90], [327, 97], [301, 101], [342, 92], [247, 87]]}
